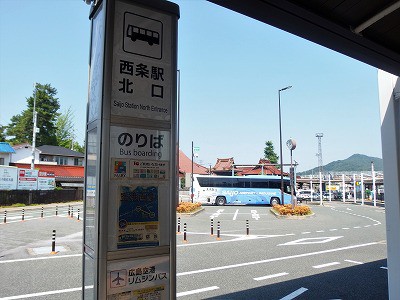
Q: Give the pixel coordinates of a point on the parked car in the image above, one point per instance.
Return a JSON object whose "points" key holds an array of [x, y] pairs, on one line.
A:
{"points": [[306, 195]]}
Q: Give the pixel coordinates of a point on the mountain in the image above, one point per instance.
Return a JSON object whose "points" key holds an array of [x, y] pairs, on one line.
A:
{"points": [[355, 163]]}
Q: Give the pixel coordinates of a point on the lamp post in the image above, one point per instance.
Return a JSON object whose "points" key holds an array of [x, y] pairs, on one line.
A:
{"points": [[280, 139]]}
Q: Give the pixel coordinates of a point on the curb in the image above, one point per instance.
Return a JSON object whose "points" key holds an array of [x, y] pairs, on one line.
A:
{"points": [[190, 214], [278, 216]]}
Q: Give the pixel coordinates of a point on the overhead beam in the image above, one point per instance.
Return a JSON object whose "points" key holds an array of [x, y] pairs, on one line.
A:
{"points": [[296, 20]]}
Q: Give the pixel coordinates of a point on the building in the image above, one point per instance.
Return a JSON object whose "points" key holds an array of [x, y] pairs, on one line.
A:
{"points": [[6, 151], [225, 166]]}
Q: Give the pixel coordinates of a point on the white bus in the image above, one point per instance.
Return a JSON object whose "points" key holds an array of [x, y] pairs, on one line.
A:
{"points": [[240, 190]]}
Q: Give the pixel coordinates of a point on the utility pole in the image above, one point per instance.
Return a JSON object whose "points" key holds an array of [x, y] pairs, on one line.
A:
{"points": [[34, 128]]}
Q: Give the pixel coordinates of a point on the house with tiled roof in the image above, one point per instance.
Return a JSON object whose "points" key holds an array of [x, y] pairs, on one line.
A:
{"points": [[264, 167], [6, 152], [223, 166], [65, 164], [60, 155], [185, 166]]}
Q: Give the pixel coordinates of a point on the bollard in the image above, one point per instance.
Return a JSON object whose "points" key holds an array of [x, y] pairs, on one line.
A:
{"points": [[69, 210], [41, 214], [78, 215], [218, 230], [23, 215], [53, 243], [212, 227], [72, 212], [179, 225], [247, 227], [184, 233], [5, 216], [56, 210]]}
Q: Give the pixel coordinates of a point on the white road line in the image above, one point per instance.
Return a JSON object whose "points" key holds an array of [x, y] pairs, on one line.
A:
{"points": [[306, 232], [211, 288], [326, 265], [345, 228], [295, 294], [385, 268], [39, 258], [320, 231], [45, 293], [271, 276], [275, 259], [354, 262], [333, 229], [235, 215]]}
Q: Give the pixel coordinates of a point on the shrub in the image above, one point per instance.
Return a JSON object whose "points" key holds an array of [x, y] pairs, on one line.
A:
{"points": [[187, 207], [287, 210]]}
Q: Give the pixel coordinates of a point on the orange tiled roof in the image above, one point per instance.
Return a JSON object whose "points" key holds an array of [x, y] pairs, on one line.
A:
{"points": [[185, 165], [224, 164], [58, 170]]}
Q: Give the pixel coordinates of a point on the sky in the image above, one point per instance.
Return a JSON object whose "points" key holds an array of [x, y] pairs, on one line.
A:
{"points": [[231, 68]]}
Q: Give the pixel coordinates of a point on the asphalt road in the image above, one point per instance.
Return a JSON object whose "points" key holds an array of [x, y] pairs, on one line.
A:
{"points": [[340, 253]]}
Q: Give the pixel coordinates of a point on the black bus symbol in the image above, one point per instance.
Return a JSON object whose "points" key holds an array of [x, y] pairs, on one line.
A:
{"points": [[143, 34]]}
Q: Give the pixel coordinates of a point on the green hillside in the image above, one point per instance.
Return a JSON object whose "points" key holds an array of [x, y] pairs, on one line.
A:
{"points": [[356, 163]]}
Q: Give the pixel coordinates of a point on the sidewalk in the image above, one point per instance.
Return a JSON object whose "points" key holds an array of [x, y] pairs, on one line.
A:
{"points": [[37, 206]]}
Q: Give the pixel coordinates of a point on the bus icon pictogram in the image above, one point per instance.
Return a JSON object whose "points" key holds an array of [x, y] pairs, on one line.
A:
{"points": [[142, 34]]}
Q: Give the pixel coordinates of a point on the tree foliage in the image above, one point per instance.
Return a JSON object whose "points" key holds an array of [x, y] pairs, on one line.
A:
{"points": [[269, 152], [65, 131], [2, 133], [47, 105]]}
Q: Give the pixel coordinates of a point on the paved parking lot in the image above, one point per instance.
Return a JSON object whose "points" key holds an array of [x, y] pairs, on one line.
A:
{"points": [[340, 253]]}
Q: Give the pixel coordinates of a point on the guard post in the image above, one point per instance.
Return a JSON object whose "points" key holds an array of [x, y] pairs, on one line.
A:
{"points": [[131, 151]]}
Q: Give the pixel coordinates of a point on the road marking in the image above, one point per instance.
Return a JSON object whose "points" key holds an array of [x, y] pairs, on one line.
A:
{"points": [[235, 215], [216, 214], [385, 268], [345, 228], [46, 293], [295, 294], [305, 241], [320, 231], [356, 227], [333, 229], [354, 262], [275, 259], [306, 232], [326, 265], [254, 214], [270, 276], [211, 288], [38, 258]]}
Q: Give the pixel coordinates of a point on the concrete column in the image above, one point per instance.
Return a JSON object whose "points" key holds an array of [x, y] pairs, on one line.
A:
{"points": [[389, 97]]}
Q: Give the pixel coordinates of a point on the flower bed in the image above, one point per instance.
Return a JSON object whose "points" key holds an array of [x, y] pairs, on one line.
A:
{"points": [[287, 210], [188, 207]]}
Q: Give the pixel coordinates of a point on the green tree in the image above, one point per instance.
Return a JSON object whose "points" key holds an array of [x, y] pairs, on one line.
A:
{"points": [[269, 152], [65, 131], [2, 133], [47, 105]]}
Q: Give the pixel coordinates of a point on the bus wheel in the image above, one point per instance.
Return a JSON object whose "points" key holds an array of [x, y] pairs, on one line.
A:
{"points": [[220, 200], [274, 201]]}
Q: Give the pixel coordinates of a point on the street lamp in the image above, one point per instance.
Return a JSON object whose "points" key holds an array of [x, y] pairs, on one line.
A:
{"points": [[280, 139]]}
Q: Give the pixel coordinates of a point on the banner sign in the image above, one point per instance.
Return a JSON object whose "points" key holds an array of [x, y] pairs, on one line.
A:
{"points": [[138, 217], [140, 279]]}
